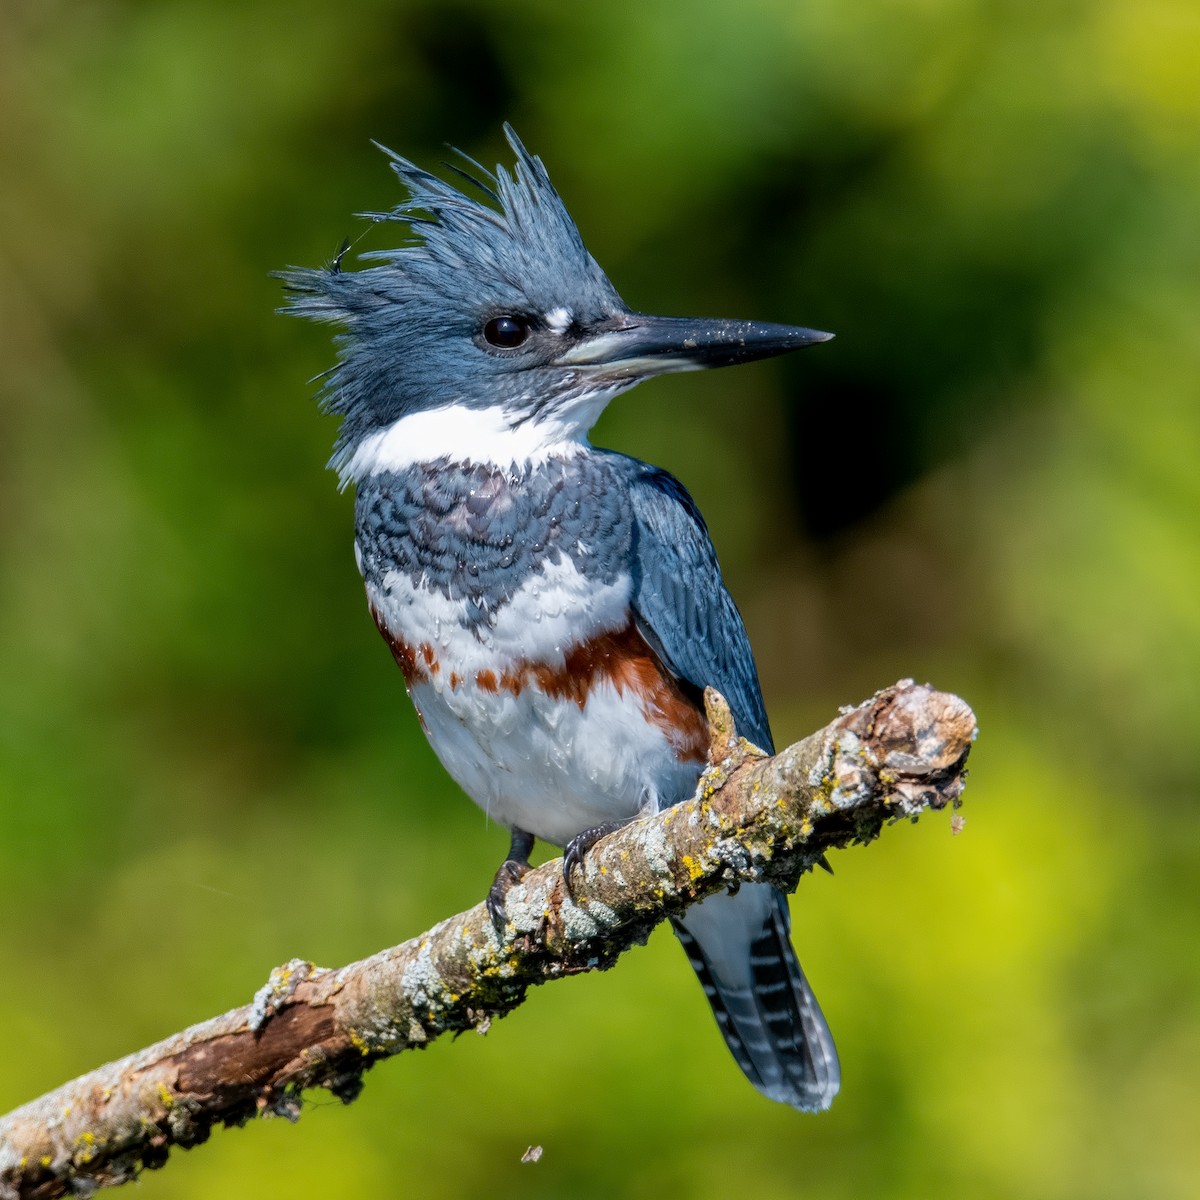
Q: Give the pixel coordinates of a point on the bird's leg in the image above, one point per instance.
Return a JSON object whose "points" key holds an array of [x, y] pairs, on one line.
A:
{"points": [[512, 870], [581, 843]]}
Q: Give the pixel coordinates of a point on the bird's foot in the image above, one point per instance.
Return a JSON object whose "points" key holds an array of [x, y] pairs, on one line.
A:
{"points": [[509, 872], [512, 870], [580, 844]]}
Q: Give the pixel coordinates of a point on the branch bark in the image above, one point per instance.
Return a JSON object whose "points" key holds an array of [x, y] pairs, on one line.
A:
{"points": [[753, 817]]}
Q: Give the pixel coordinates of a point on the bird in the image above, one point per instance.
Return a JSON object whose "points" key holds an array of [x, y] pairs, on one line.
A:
{"points": [[557, 609]]}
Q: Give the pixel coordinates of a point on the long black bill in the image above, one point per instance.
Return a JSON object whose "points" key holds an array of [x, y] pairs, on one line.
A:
{"points": [[643, 345]]}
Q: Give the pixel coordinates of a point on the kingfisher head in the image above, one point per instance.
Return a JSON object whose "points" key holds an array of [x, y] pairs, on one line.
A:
{"points": [[492, 334]]}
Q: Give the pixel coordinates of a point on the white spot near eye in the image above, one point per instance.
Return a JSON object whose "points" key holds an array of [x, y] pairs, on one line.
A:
{"points": [[559, 320]]}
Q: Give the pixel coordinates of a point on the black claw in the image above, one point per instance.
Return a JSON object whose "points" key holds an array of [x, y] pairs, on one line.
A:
{"points": [[512, 870], [580, 844], [823, 863]]}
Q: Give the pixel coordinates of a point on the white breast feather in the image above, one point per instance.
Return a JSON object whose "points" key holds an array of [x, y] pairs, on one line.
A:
{"points": [[545, 766], [481, 435], [532, 761], [541, 622]]}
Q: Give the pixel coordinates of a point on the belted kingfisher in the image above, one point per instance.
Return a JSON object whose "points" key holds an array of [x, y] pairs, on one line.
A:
{"points": [[557, 609]]}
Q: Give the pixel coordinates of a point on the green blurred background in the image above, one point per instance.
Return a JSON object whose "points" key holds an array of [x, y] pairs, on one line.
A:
{"points": [[991, 480]]}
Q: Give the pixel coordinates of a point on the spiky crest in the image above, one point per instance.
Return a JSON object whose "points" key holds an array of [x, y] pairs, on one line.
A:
{"points": [[407, 318]]}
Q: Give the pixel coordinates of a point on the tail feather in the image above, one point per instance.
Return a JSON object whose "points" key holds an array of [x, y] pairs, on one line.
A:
{"points": [[739, 946]]}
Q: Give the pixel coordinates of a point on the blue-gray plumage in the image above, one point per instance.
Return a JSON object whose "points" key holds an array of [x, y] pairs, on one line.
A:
{"points": [[683, 607], [502, 530], [557, 609]]}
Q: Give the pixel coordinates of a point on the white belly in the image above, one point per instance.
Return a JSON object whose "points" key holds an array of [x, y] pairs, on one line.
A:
{"points": [[550, 765], [545, 765]]}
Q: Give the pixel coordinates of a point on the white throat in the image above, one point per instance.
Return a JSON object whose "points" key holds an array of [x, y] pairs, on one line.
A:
{"points": [[492, 436]]}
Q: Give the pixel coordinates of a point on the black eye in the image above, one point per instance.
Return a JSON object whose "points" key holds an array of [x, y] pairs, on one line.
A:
{"points": [[506, 332]]}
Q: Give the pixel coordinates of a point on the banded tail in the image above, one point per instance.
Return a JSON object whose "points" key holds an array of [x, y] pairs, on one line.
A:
{"points": [[739, 946]]}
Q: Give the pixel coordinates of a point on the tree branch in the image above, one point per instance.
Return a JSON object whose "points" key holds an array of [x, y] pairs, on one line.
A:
{"points": [[754, 817]]}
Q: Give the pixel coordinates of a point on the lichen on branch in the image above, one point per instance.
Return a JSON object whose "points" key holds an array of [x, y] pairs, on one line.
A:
{"points": [[753, 817]]}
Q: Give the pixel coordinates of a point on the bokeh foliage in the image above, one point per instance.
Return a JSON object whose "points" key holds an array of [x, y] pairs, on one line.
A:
{"points": [[990, 480]]}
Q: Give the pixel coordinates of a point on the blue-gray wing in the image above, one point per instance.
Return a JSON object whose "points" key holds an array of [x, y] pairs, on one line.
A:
{"points": [[682, 606], [738, 944]]}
